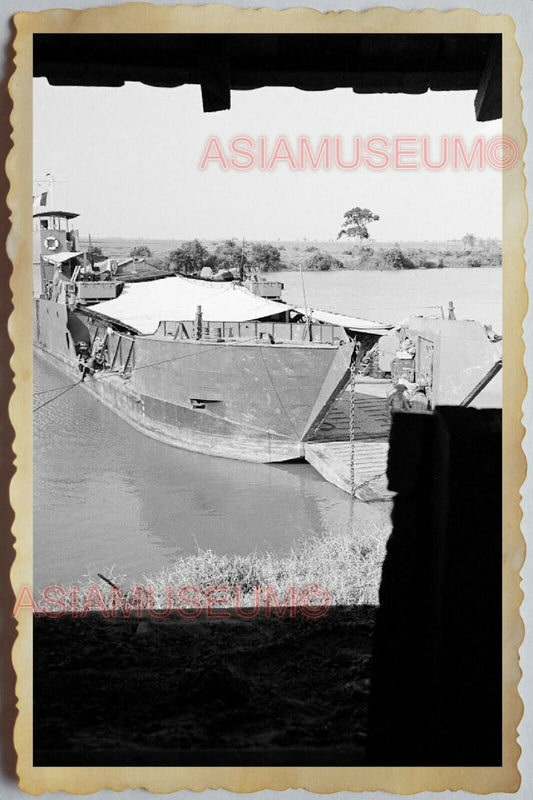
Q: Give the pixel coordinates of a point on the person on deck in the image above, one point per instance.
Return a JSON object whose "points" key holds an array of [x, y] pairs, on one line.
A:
{"points": [[420, 401], [397, 400]]}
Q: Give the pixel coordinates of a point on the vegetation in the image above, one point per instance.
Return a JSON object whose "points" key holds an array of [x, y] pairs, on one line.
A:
{"points": [[323, 262], [141, 251], [356, 222], [265, 257], [346, 563], [191, 256], [229, 255], [469, 241], [393, 258], [94, 252]]}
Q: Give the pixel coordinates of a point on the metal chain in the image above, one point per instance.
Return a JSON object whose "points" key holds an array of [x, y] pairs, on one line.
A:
{"points": [[352, 426]]}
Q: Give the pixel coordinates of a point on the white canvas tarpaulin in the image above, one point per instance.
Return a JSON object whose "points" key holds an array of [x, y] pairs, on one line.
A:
{"points": [[61, 258], [343, 321], [142, 306]]}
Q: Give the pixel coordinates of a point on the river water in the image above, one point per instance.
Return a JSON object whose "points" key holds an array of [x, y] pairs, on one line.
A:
{"points": [[392, 296], [106, 496]]}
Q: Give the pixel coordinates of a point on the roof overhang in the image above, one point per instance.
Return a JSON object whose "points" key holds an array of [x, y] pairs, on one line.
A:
{"points": [[356, 324], [48, 212], [60, 258], [410, 63]]}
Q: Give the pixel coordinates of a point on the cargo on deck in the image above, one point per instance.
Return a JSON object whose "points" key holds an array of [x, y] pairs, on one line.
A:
{"points": [[142, 306]]}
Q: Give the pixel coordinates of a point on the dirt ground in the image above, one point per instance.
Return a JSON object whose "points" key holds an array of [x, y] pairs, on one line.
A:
{"points": [[180, 691]]}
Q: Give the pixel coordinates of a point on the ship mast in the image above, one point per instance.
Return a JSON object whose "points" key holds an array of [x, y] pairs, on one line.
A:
{"points": [[51, 188], [49, 182], [307, 317], [242, 261]]}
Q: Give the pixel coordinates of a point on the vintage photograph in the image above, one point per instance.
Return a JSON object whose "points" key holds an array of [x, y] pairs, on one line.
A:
{"points": [[267, 399]]}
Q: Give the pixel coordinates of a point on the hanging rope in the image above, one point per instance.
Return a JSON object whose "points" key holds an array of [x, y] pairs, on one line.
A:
{"points": [[144, 366], [352, 426], [57, 396], [55, 389]]}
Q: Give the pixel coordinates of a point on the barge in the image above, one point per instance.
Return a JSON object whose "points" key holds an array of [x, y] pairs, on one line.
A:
{"points": [[213, 367]]}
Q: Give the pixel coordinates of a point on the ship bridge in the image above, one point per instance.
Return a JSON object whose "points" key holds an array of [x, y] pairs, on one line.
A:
{"points": [[53, 233], [55, 240]]}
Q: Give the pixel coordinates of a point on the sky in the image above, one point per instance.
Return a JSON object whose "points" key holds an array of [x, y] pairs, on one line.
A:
{"points": [[128, 161]]}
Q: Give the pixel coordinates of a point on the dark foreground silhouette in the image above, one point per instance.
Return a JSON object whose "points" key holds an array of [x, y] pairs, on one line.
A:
{"points": [[296, 691], [176, 691]]}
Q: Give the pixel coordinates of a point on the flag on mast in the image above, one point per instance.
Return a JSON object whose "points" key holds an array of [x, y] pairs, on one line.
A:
{"points": [[40, 200]]}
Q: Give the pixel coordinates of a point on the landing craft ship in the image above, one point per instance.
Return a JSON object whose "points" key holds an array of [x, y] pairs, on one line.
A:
{"points": [[220, 368]]}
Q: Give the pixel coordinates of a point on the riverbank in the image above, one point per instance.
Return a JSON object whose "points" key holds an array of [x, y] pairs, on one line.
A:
{"points": [[337, 568], [321, 256]]}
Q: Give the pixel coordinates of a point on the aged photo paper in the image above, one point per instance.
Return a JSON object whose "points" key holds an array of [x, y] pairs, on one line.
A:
{"points": [[111, 342]]}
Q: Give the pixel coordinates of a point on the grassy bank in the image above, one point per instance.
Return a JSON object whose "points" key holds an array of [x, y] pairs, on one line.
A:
{"points": [[346, 564]]}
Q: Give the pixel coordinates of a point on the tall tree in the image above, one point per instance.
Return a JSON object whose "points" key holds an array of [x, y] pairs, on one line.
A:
{"points": [[469, 241], [265, 257], [228, 255], [356, 222], [190, 257]]}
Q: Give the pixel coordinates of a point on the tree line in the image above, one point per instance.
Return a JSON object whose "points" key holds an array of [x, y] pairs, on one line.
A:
{"points": [[191, 257]]}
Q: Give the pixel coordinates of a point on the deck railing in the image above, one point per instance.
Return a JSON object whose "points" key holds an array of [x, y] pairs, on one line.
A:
{"points": [[267, 332], [118, 349]]}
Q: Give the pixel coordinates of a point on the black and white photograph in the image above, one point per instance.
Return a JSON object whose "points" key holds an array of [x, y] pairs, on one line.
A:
{"points": [[268, 349]]}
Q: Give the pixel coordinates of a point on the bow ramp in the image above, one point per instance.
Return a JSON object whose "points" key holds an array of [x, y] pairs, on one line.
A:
{"points": [[333, 461], [366, 430]]}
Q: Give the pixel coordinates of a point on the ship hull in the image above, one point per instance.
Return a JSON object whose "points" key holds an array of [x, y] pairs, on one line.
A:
{"points": [[236, 400]]}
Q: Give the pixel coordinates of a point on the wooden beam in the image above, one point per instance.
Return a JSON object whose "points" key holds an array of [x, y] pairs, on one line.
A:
{"points": [[215, 77], [113, 361], [488, 100], [130, 352]]}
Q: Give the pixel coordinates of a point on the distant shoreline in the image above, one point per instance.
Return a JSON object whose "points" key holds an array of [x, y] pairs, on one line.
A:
{"points": [[316, 256], [96, 239]]}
